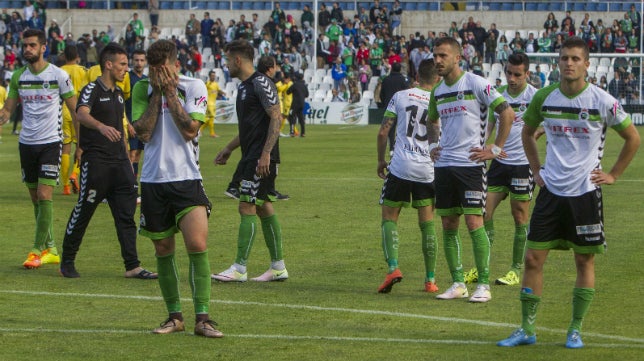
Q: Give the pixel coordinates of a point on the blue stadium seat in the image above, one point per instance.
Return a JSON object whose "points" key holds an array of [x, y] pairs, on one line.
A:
{"points": [[423, 6], [506, 7], [165, 5], [348, 6], [591, 6], [555, 6], [542, 7], [494, 6], [177, 5], [530, 7], [602, 7], [578, 7], [411, 6], [247, 6], [201, 5], [517, 7], [4, 4], [258, 5], [434, 6]]}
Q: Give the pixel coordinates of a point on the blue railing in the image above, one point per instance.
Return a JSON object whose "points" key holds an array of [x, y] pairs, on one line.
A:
{"points": [[347, 5]]}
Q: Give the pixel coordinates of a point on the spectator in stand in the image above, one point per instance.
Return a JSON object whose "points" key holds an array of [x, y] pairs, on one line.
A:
{"points": [[531, 45], [374, 11], [490, 48], [307, 15], [616, 86], [324, 18], [364, 74], [476, 64], [137, 25], [153, 9], [28, 10], [277, 14], [130, 39], [635, 17], [607, 41], [334, 31], [542, 77], [396, 16], [16, 26], [620, 42], [321, 51], [193, 27], [633, 41], [517, 40], [206, 26], [338, 73], [375, 58], [550, 22], [336, 13], [36, 22]]}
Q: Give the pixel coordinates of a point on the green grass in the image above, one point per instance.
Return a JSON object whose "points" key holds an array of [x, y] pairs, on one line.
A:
{"points": [[329, 308]]}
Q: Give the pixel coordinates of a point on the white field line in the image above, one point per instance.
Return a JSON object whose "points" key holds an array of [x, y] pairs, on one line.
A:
{"points": [[327, 309]]}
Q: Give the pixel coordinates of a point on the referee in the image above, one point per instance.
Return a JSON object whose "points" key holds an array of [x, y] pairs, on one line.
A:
{"points": [[106, 172]]}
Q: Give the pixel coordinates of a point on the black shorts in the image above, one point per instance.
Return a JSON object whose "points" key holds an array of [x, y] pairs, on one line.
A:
{"points": [[568, 222], [135, 143], [460, 190], [163, 205], [254, 189], [514, 179], [398, 192], [40, 163]]}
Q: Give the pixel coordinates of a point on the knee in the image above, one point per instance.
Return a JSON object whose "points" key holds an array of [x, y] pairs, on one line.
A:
{"points": [[532, 261]]}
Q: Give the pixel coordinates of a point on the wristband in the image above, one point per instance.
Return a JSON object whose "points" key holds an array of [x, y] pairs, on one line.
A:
{"points": [[433, 146], [496, 150]]}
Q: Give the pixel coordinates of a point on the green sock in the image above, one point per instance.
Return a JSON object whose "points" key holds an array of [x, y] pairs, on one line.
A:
{"points": [[273, 237], [390, 243], [247, 232], [199, 278], [518, 249], [529, 303], [489, 229], [169, 282], [429, 244], [452, 245], [44, 224], [481, 246], [581, 299]]}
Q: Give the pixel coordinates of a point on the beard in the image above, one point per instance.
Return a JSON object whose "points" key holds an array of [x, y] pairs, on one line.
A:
{"points": [[31, 59]]}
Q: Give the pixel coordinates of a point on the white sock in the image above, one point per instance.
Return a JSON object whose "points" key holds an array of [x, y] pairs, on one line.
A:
{"points": [[239, 268], [278, 265]]}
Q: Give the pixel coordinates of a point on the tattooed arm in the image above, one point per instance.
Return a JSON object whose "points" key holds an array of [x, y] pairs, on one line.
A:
{"points": [[188, 127], [273, 135], [381, 143], [146, 123]]}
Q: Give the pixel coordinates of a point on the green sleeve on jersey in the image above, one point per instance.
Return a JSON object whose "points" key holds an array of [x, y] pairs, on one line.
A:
{"points": [[623, 125], [497, 101], [390, 114], [491, 118], [13, 85], [196, 116], [139, 99], [68, 94], [533, 116], [433, 110]]}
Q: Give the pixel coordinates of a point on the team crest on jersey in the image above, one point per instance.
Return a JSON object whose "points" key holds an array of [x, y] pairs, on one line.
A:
{"points": [[523, 107], [45, 85], [120, 99], [584, 115], [460, 95]]}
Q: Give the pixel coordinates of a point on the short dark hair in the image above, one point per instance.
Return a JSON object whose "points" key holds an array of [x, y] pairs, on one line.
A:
{"points": [[520, 59], [160, 51], [265, 63], [427, 71], [29, 33], [138, 52], [577, 42], [448, 41], [395, 67], [108, 53], [240, 47], [71, 52]]}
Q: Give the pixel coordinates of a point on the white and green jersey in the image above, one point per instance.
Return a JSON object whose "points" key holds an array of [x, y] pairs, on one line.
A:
{"points": [[411, 160], [41, 96], [168, 157], [463, 111], [576, 130], [513, 144]]}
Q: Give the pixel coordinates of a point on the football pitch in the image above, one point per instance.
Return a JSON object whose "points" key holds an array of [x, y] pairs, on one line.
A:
{"points": [[329, 308]]}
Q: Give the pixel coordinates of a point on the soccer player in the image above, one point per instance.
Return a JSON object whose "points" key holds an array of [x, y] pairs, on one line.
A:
{"points": [[461, 102], [167, 111], [106, 171], [211, 112], [409, 176], [136, 73], [568, 212], [512, 174], [258, 111], [41, 87], [78, 75]]}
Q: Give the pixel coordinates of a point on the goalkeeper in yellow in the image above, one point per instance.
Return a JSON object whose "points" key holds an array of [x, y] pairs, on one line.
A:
{"points": [[285, 99], [213, 93], [78, 76]]}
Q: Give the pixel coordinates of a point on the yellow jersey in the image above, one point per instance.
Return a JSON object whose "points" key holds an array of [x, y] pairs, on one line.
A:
{"points": [[95, 71], [3, 96], [285, 99]]}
